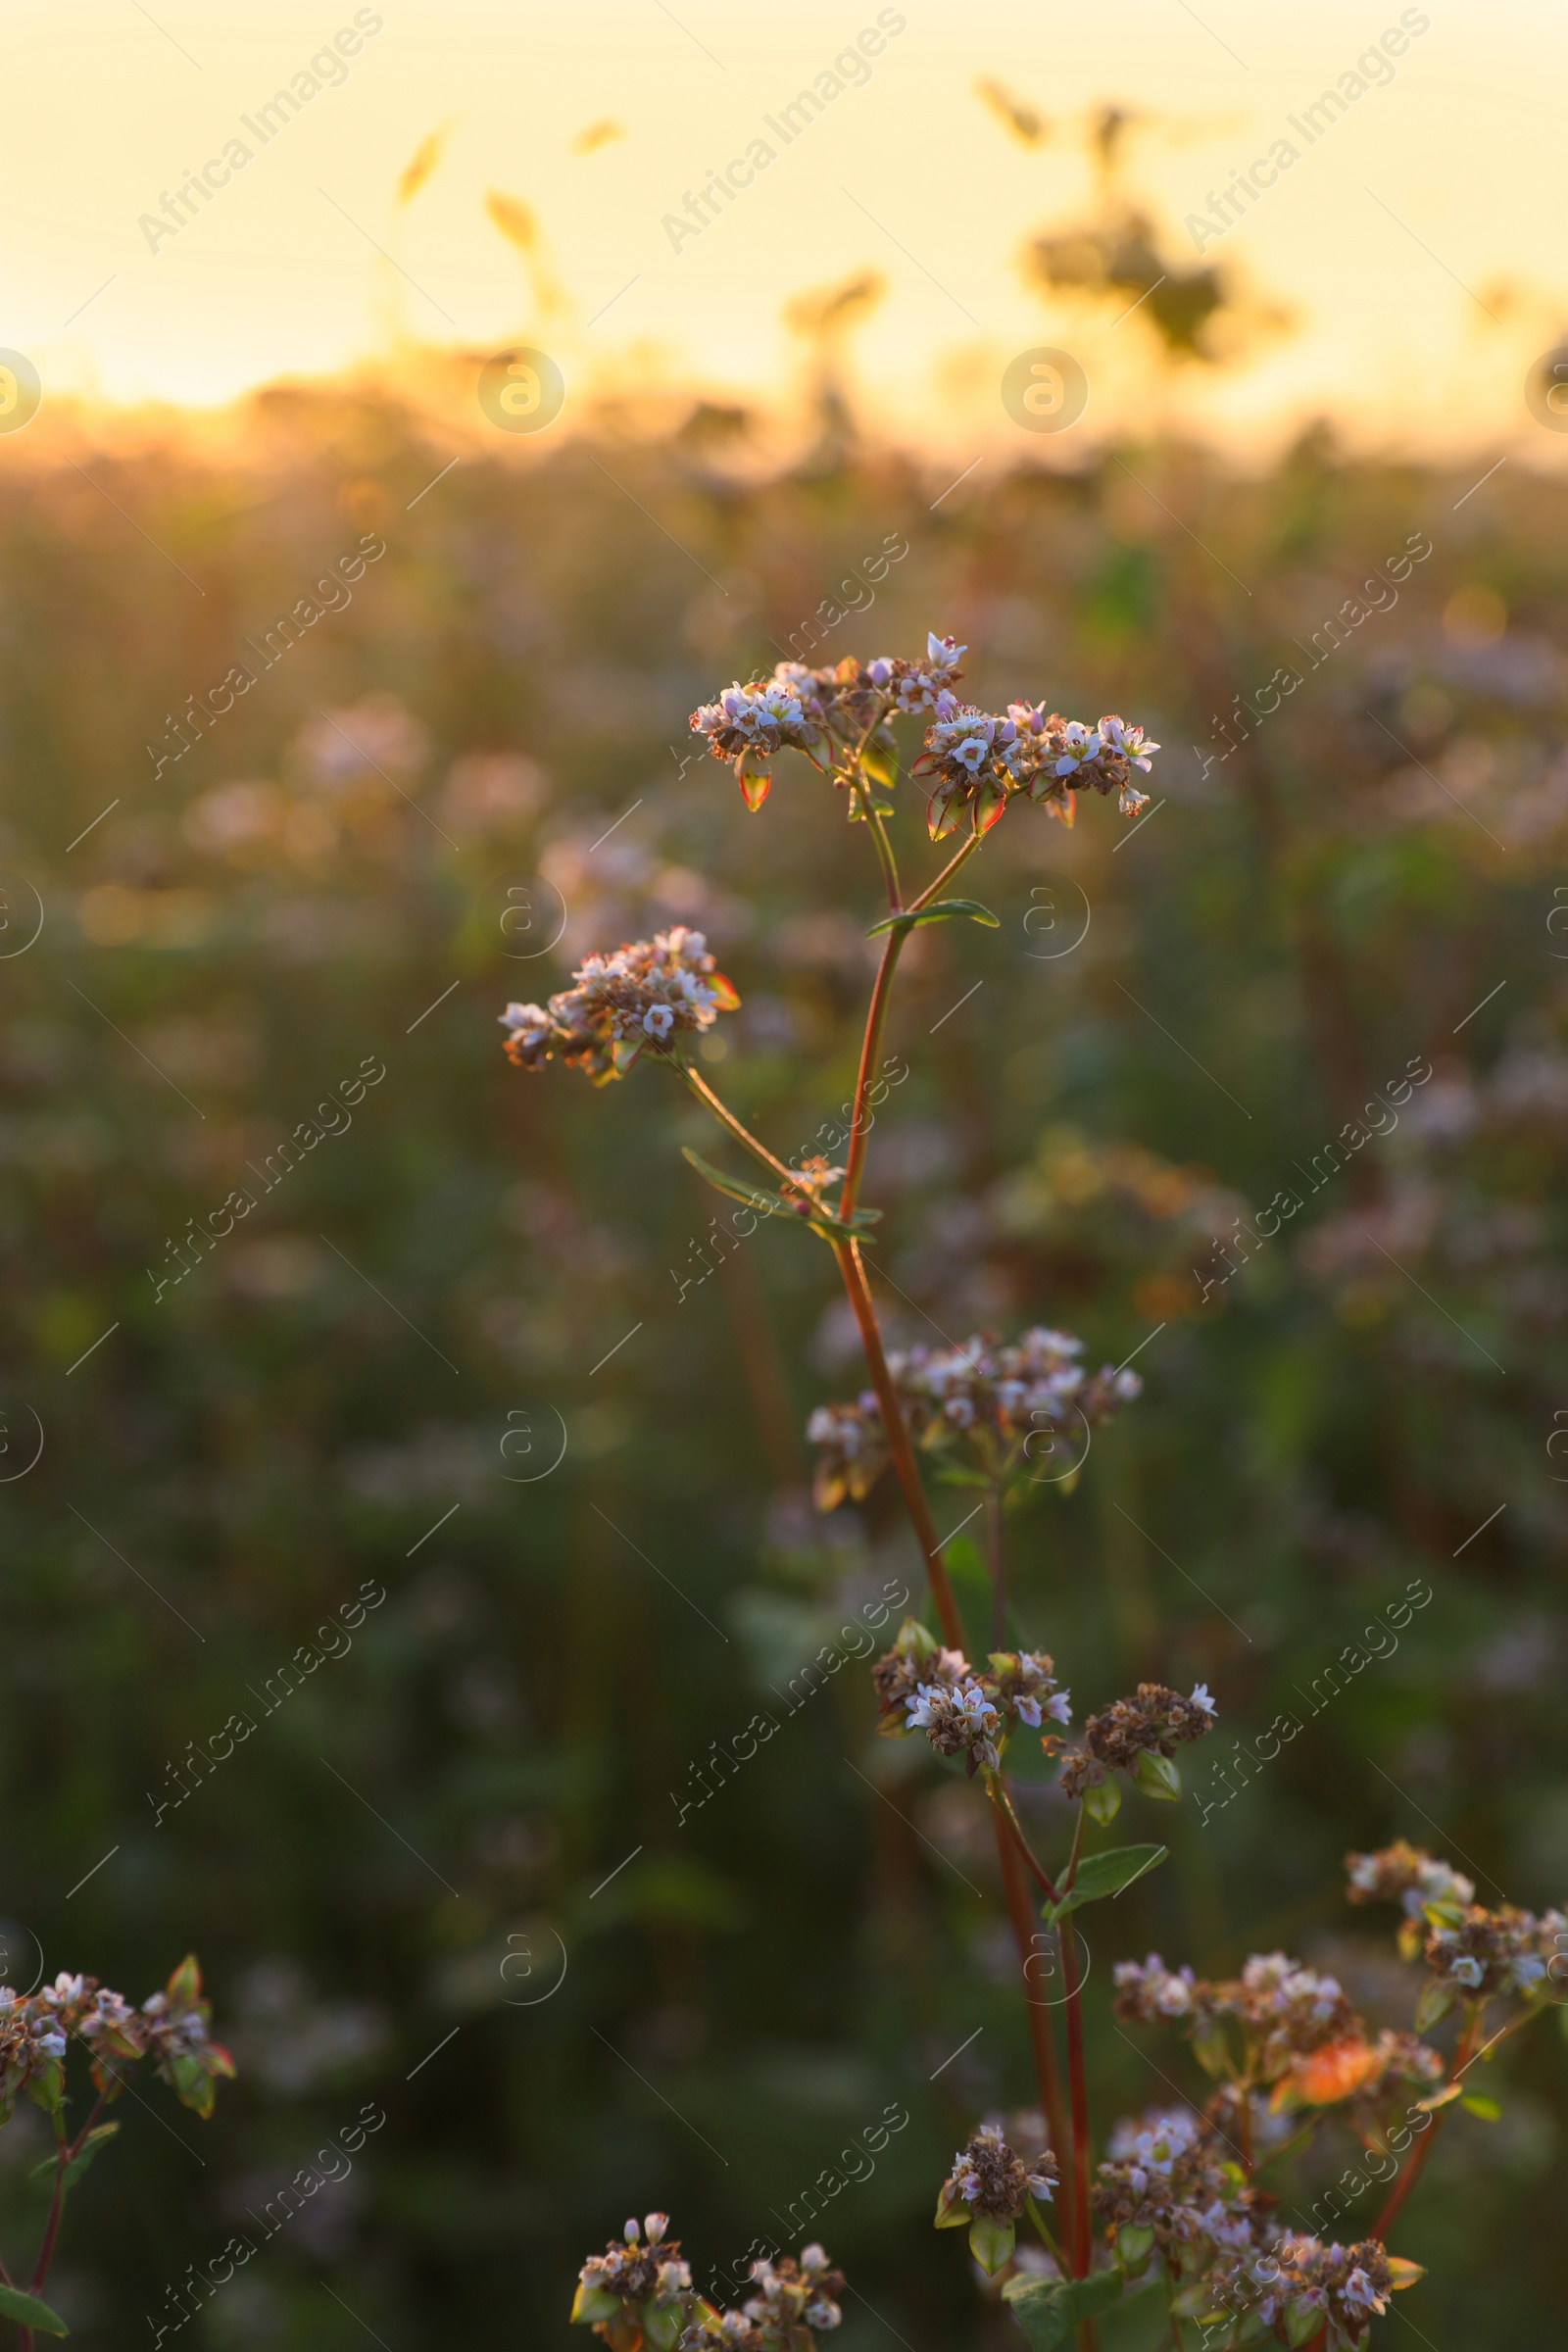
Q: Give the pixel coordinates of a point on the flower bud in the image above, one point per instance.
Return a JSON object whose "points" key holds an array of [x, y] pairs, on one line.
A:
{"points": [[1134, 2244], [1157, 1775]]}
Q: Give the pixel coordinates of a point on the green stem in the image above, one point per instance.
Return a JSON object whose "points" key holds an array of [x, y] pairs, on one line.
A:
{"points": [[930, 891], [1077, 2077], [1052, 2247], [726, 1118], [861, 790]]}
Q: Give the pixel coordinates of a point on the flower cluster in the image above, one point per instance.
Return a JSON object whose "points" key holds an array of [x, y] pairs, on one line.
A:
{"points": [[790, 2300], [1301, 2287], [1472, 1952], [800, 707], [1293, 2033], [989, 2188], [171, 2029], [1488, 1952], [639, 2291], [981, 758], [1139, 1737], [922, 1686], [1166, 2183], [1428, 1889], [640, 996], [996, 1405]]}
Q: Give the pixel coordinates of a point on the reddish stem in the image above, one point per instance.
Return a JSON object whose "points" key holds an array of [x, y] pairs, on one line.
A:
{"points": [[1412, 2171], [1078, 2091], [870, 1045], [853, 1270], [1041, 2040]]}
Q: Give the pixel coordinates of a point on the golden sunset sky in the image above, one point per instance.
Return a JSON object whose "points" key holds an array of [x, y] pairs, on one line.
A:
{"points": [[1417, 246]]}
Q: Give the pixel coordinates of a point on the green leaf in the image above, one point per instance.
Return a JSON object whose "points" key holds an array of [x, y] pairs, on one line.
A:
{"points": [[749, 1193], [1048, 2310], [1488, 2109], [991, 2242], [78, 2164], [939, 912], [1103, 1802], [1099, 1875], [28, 2312], [1437, 1998]]}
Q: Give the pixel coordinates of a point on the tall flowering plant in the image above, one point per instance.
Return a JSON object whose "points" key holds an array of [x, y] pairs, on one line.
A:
{"points": [[1181, 2200], [39, 2032]]}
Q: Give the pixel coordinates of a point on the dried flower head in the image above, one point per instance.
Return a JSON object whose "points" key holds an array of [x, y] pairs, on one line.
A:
{"points": [[1486, 1952], [989, 2188], [1300, 2286], [639, 997], [1139, 1737]]}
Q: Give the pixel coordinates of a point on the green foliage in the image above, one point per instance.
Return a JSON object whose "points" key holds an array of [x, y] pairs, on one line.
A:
{"points": [[1048, 2310], [1106, 1874]]}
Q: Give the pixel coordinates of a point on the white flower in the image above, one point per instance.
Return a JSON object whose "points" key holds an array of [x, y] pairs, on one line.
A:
{"points": [[659, 1020], [1468, 1970], [1058, 1706], [1201, 1698], [941, 651]]}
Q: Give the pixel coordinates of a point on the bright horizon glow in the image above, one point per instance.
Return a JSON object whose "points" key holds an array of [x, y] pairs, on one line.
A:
{"points": [[1414, 244]]}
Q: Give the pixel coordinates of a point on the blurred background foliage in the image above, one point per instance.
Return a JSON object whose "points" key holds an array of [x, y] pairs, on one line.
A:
{"points": [[452, 1871]]}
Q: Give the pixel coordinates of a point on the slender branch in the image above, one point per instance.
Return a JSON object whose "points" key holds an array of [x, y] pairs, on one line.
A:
{"points": [[997, 1791], [1041, 2040], [1463, 2053], [1077, 2077], [853, 1270], [726, 1118], [861, 790], [63, 2156], [930, 891], [870, 1047]]}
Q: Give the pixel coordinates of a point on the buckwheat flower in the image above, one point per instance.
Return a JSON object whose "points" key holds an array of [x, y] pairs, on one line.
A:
{"points": [[852, 1451], [1148, 1990], [1427, 1889], [1199, 1699], [1485, 1953], [915, 1659], [1078, 744], [1024, 1684], [750, 725], [638, 995], [1138, 1736], [960, 1719]]}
